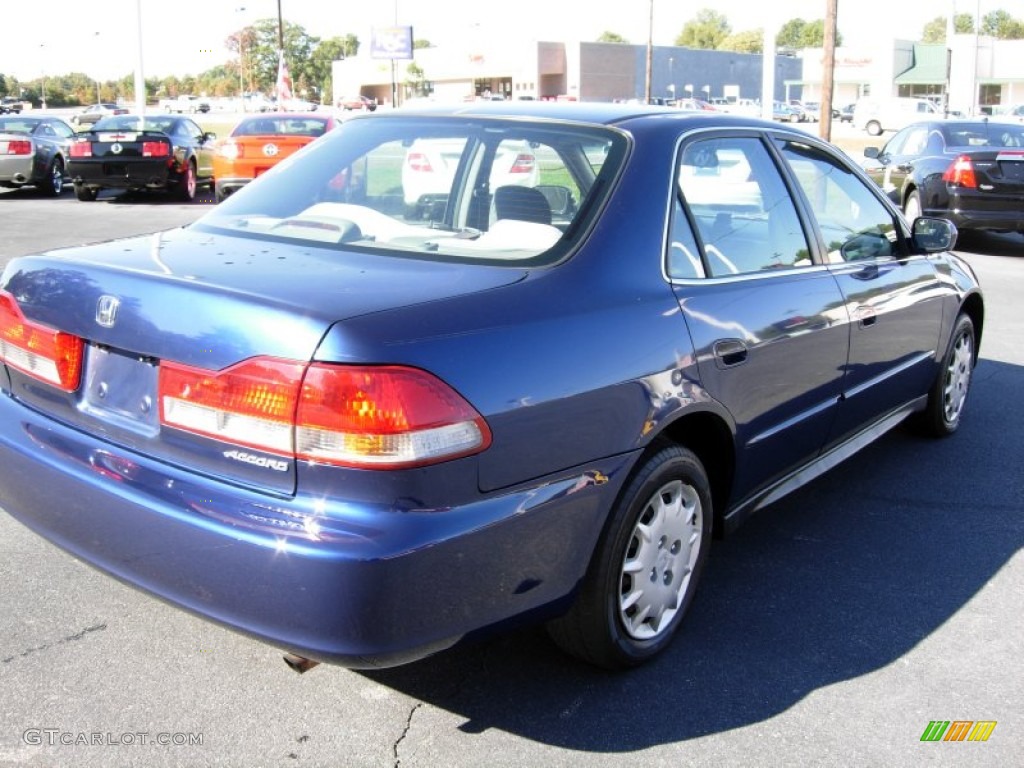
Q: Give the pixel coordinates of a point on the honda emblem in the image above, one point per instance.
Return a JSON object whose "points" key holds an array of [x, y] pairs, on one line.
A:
{"points": [[106, 310]]}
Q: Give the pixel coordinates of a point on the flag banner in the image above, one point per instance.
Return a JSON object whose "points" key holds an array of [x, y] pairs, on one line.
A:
{"points": [[284, 81]]}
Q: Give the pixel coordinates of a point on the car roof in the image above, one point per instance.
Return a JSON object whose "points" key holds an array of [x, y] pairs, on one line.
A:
{"points": [[597, 113], [588, 112]]}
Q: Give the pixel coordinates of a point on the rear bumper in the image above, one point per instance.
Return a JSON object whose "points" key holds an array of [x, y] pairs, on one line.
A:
{"points": [[354, 584], [132, 174], [230, 185], [985, 211], [17, 169]]}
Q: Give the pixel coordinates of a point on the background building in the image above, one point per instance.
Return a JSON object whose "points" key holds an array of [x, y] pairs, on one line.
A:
{"points": [[551, 70], [984, 74]]}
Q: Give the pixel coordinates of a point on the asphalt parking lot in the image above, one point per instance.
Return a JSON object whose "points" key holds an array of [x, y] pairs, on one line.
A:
{"points": [[830, 630]]}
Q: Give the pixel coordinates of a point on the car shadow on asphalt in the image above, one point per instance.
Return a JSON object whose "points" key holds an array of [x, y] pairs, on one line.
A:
{"points": [[204, 196], [836, 581], [990, 243]]}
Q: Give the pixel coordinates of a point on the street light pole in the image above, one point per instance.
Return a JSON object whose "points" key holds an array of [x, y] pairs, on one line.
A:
{"points": [[98, 99], [241, 62], [42, 70]]}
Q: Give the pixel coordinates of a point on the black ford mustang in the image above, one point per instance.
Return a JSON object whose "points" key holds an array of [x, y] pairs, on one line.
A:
{"points": [[129, 152]]}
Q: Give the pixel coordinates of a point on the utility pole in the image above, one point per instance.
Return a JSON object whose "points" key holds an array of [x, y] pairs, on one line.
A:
{"points": [[280, 27], [828, 66]]}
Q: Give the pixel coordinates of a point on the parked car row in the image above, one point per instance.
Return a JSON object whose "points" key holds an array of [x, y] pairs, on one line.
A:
{"points": [[170, 153], [970, 172]]}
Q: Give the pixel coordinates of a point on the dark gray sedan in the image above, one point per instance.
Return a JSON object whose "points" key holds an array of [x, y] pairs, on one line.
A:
{"points": [[33, 152]]}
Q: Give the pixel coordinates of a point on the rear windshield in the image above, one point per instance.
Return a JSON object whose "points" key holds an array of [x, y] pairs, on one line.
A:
{"points": [[984, 134], [432, 187], [134, 123], [281, 125], [16, 125]]}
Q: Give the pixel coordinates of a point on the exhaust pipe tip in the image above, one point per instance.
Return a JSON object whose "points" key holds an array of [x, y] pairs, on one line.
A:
{"points": [[299, 663]]}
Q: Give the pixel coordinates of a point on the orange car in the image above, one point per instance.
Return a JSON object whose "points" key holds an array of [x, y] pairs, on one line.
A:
{"points": [[258, 143]]}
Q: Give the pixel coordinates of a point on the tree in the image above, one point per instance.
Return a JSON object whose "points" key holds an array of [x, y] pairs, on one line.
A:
{"points": [[750, 41], [3, 85], [706, 30], [1001, 25], [242, 44], [935, 30], [351, 45], [797, 33], [611, 37], [791, 34], [416, 79], [261, 55], [417, 44], [814, 35]]}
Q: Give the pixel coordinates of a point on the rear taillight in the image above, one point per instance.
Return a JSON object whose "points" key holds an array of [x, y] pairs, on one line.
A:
{"points": [[523, 164], [380, 416], [251, 403], [961, 172], [81, 149], [155, 149], [417, 161], [19, 147], [384, 416], [231, 150], [37, 350]]}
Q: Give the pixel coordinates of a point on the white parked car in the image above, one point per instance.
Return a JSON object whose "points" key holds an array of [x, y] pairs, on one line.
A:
{"points": [[430, 167], [891, 114], [298, 105]]}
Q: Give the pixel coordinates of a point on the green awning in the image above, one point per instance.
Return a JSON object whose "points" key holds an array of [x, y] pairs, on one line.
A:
{"points": [[929, 66]]}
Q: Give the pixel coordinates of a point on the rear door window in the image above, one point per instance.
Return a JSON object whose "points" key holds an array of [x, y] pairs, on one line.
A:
{"points": [[741, 209]]}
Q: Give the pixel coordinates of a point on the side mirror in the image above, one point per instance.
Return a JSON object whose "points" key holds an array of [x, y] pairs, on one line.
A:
{"points": [[866, 246], [209, 136], [872, 153], [931, 235]]}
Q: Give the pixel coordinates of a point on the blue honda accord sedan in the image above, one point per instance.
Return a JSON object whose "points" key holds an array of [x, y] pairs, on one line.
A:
{"points": [[364, 427]]}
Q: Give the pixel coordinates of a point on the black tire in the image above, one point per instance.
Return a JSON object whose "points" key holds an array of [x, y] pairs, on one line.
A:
{"points": [[610, 625], [186, 188], [219, 195], [53, 183], [86, 194], [912, 206], [948, 395], [874, 128]]}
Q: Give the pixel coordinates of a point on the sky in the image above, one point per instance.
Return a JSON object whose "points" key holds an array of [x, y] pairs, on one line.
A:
{"points": [[187, 36]]}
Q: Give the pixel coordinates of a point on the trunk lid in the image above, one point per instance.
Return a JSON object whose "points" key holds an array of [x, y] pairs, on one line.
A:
{"points": [[998, 171], [187, 297]]}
